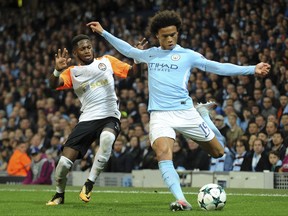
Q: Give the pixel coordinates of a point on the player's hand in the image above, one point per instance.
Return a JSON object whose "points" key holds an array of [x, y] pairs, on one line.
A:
{"points": [[141, 44], [95, 27], [62, 59], [262, 69]]}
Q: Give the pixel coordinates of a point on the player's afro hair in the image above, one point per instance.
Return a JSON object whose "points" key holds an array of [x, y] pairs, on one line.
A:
{"points": [[78, 38], [164, 19]]}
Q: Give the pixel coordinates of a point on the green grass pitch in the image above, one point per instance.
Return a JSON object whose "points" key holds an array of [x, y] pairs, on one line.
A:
{"points": [[30, 200]]}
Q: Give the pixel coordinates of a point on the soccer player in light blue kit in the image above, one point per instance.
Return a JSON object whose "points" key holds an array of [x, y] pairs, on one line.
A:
{"points": [[171, 107]]}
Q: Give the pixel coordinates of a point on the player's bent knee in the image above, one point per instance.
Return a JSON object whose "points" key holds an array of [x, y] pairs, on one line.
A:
{"points": [[217, 153], [106, 140], [63, 167], [163, 155]]}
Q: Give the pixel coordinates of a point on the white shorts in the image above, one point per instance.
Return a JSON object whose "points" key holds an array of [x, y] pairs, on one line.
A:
{"points": [[187, 122]]}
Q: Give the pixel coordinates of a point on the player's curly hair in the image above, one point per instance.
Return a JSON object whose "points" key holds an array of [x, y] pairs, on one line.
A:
{"points": [[78, 38], [163, 19]]}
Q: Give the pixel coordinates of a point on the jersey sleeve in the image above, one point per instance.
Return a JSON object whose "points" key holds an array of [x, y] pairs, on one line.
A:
{"points": [[66, 76], [126, 49], [120, 68], [223, 69]]}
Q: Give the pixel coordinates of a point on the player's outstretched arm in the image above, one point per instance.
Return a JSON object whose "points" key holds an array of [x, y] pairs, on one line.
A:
{"points": [[122, 46], [262, 69], [136, 68]]}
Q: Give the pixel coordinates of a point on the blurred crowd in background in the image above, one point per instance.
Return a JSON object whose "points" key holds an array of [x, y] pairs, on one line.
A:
{"points": [[251, 112]]}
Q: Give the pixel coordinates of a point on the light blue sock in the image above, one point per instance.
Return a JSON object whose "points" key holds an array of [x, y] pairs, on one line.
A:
{"points": [[171, 178], [212, 126]]}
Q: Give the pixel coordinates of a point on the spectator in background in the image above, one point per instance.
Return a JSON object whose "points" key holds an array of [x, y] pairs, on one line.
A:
{"points": [[283, 108], [5, 143], [241, 149], [28, 134], [124, 126], [238, 106], [54, 152], [229, 109], [222, 127], [278, 145], [261, 123], [148, 157], [271, 128], [179, 155], [120, 160], [268, 84], [140, 133], [255, 110], [197, 158], [257, 160], [268, 108], [284, 167], [275, 101], [252, 128], [263, 136], [3, 158], [284, 130], [3, 122], [145, 118], [132, 110], [41, 169], [235, 131], [86, 162], [37, 141], [258, 96], [251, 141], [19, 163], [135, 151], [275, 161], [246, 118], [241, 91], [224, 163], [142, 108]]}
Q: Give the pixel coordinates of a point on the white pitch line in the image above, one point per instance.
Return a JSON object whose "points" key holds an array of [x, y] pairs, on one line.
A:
{"points": [[143, 192]]}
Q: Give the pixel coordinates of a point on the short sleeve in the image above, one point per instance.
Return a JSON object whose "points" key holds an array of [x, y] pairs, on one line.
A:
{"points": [[120, 68], [66, 76]]}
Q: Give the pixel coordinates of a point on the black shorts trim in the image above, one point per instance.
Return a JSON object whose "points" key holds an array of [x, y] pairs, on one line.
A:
{"points": [[86, 132]]}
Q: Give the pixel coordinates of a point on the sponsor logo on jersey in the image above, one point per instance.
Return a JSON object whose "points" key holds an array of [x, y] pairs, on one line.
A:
{"points": [[175, 57], [102, 66], [99, 83], [162, 67]]}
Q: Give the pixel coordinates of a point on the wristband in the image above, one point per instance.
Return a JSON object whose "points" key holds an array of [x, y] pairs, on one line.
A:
{"points": [[56, 73]]}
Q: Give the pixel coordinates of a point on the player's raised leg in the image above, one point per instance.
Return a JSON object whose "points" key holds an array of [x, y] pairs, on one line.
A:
{"points": [[204, 109]]}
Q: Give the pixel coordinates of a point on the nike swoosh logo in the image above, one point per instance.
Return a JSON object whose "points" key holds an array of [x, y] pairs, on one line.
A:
{"points": [[77, 75], [101, 161]]}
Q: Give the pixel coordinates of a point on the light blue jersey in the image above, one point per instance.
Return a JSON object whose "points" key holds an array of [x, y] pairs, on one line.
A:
{"points": [[169, 72]]}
